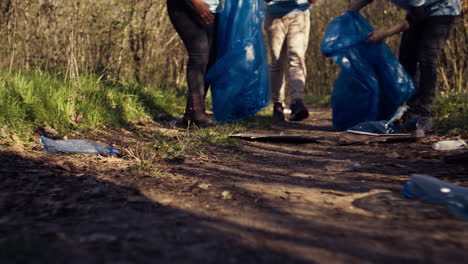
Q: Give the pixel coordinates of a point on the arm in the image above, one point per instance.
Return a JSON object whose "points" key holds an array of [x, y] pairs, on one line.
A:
{"points": [[416, 15], [377, 36], [202, 10], [356, 6]]}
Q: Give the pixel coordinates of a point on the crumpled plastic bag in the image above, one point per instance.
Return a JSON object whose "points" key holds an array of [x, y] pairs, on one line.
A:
{"points": [[372, 83], [240, 77]]}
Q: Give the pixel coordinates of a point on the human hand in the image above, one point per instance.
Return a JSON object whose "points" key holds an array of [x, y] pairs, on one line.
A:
{"points": [[377, 36], [203, 11]]}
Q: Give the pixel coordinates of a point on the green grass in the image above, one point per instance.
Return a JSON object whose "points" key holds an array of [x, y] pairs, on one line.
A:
{"points": [[321, 100], [35, 99], [32, 100], [162, 151], [451, 112]]}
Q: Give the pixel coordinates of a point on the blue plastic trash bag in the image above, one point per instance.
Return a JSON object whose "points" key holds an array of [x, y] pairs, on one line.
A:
{"points": [[240, 78], [372, 83]]}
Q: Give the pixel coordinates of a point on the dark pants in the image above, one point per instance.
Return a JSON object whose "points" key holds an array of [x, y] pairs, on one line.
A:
{"points": [[199, 40], [420, 48]]}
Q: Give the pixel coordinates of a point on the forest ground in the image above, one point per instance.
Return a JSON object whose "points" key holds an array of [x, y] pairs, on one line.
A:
{"points": [[243, 202]]}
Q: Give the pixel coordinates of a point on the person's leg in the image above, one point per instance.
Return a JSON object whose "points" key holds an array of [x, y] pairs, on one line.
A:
{"points": [[297, 41], [212, 40], [408, 50], [276, 33], [409, 60], [198, 39], [433, 38]]}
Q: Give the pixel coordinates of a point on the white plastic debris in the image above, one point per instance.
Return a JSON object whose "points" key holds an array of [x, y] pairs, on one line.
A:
{"points": [[449, 145]]}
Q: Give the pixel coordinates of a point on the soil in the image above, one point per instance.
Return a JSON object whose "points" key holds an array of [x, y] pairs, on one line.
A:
{"points": [[251, 202]]}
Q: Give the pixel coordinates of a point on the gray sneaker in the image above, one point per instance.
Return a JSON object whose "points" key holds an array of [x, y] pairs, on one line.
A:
{"points": [[298, 111]]}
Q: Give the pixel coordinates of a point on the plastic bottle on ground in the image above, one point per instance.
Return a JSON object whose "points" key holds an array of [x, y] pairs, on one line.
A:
{"points": [[449, 145], [431, 189], [74, 146]]}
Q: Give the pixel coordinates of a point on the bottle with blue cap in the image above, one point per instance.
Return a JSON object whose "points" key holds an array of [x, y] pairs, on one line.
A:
{"points": [[431, 189], [74, 146]]}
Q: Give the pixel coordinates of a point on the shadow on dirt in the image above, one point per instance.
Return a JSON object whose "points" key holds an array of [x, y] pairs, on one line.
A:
{"points": [[58, 216], [46, 217]]}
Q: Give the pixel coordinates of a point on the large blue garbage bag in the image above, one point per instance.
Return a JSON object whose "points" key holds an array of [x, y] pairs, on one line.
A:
{"points": [[372, 83], [240, 78]]}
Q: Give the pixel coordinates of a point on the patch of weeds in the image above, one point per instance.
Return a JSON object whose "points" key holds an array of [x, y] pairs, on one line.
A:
{"points": [[212, 135], [262, 120], [173, 150], [204, 136], [163, 150], [29, 144], [232, 157], [142, 152], [144, 168], [152, 158], [319, 100], [146, 157], [451, 112]]}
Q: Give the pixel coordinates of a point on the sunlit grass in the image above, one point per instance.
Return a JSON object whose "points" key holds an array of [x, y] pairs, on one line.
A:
{"points": [[35, 99]]}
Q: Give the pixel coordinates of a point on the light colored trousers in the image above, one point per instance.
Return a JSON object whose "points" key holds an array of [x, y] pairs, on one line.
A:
{"points": [[288, 37]]}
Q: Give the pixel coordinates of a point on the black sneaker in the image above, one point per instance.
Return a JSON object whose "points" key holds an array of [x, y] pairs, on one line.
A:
{"points": [[278, 114], [298, 111]]}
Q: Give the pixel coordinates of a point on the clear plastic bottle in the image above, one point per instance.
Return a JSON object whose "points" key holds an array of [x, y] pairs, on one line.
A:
{"points": [[74, 146], [431, 189]]}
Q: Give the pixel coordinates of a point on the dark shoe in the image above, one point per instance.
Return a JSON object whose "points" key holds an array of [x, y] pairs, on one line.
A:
{"points": [[419, 126], [298, 111], [278, 114], [195, 112]]}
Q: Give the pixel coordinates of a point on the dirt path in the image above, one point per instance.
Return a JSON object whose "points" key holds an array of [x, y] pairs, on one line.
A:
{"points": [[251, 202]]}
